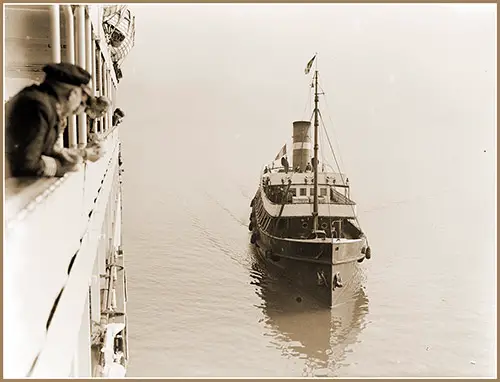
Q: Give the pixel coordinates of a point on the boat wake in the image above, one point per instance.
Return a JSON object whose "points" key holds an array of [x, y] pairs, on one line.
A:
{"points": [[230, 249], [240, 220]]}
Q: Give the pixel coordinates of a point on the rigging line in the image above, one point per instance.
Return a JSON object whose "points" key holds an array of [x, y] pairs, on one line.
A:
{"points": [[331, 122], [330, 219], [335, 158], [340, 173], [308, 101], [331, 148], [322, 139]]}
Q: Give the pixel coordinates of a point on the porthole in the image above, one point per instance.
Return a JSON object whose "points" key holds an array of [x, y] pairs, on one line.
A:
{"points": [[304, 225], [324, 225]]}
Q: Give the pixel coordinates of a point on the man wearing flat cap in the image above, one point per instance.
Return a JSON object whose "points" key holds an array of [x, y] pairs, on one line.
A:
{"points": [[36, 116], [118, 115], [97, 107]]}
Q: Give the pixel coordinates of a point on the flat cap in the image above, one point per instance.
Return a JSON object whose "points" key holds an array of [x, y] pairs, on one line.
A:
{"points": [[67, 73]]}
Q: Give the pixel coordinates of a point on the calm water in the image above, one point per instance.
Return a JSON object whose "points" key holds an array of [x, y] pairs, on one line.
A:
{"points": [[201, 306], [419, 148]]}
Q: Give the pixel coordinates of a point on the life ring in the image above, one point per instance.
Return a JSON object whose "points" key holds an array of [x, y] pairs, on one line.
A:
{"points": [[250, 226], [368, 253]]}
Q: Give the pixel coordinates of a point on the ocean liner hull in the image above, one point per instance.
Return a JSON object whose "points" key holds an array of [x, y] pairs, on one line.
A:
{"points": [[65, 294]]}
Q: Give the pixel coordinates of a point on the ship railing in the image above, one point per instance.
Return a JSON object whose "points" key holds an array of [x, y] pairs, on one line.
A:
{"points": [[52, 229]]}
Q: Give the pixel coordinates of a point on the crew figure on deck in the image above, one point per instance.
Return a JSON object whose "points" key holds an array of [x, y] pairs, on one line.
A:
{"points": [[118, 115], [97, 108], [37, 115], [284, 163]]}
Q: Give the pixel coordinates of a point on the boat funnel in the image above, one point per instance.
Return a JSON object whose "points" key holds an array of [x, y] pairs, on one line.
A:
{"points": [[302, 145]]}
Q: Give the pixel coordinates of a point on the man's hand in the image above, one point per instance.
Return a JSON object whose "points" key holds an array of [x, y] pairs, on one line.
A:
{"points": [[93, 139], [57, 167], [94, 152], [69, 167], [70, 156]]}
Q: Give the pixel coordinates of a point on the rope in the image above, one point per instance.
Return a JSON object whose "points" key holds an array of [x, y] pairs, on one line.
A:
{"points": [[331, 148], [335, 158], [331, 123], [321, 138], [341, 176]]}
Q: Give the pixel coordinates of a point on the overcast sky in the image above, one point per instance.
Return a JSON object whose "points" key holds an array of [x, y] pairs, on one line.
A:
{"points": [[410, 89]]}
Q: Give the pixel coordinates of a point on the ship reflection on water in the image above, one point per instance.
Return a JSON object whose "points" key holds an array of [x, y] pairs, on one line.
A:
{"points": [[304, 328]]}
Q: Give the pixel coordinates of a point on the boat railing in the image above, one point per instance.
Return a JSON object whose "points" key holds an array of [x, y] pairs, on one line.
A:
{"points": [[303, 208], [275, 196], [332, 178]]}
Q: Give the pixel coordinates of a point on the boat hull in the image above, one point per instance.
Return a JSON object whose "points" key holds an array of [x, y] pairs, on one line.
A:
{"points": [[328, 271], [334, 329]]}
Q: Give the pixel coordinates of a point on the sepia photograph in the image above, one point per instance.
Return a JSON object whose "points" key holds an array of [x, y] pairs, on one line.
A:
{"points": [[250, 190]]}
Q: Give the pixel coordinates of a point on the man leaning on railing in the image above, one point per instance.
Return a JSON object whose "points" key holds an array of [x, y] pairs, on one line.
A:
{"points": [[37, 115], [96, 108], [118, 115]]}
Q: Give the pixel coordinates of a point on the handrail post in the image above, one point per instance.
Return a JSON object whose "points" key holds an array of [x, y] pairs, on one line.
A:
{"points": [[55, 33], [81, 61], [70, 57], [88, 44], [99, 81], [55, 43], [105, 93], [110, 95]]}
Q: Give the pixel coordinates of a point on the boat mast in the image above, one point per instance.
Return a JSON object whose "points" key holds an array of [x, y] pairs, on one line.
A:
{"points": [[315, 165]]}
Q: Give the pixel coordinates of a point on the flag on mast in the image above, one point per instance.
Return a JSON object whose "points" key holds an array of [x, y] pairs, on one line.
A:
{"points": [[309, 65], [281, 153]]}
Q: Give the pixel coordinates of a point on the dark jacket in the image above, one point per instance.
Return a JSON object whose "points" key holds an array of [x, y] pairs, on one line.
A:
{"points": [[31, 130]]}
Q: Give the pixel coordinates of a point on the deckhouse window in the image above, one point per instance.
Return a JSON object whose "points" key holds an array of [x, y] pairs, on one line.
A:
{"points": [[322, 191], [303, 191]]}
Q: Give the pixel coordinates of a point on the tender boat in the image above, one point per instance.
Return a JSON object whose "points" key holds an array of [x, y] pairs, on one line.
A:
{"points": [[303, 220]]}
